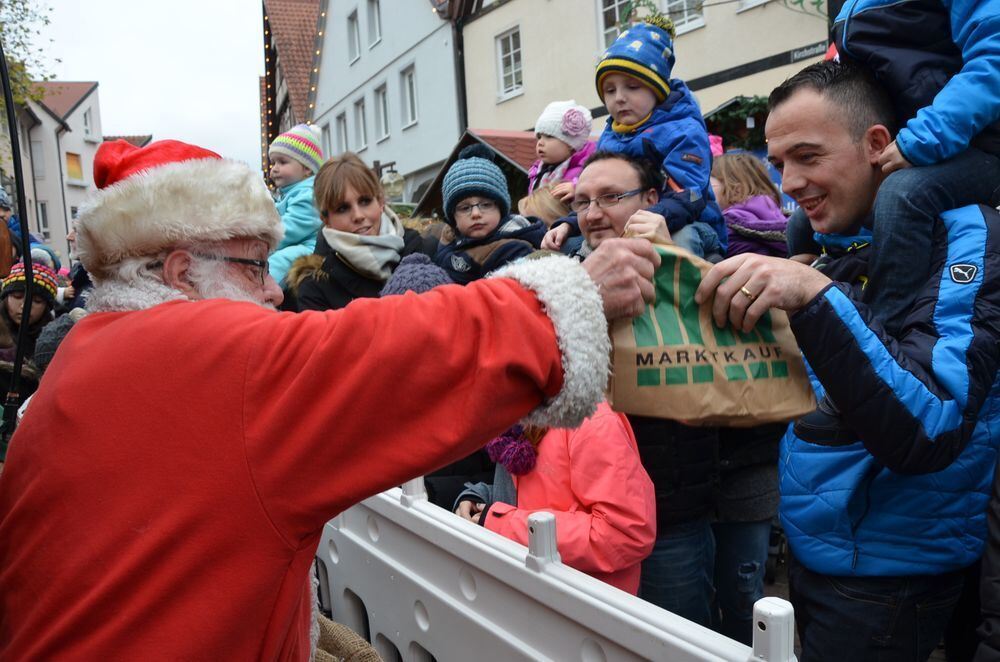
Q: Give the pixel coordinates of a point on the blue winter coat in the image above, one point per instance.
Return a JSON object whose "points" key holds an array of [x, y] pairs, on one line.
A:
{"points": [[302, 222], [675, 136], [938, 57], [891, 475], [467, 260]]}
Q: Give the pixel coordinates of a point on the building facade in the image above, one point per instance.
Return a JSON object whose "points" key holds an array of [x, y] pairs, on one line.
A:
{"points": [[521, 54], [61, 148], [385, 86]]}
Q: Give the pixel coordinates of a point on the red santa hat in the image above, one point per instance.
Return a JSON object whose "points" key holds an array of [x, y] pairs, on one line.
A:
{"points": [[168, 192]]}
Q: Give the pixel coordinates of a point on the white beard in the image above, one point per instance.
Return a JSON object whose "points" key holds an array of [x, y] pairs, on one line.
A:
{"points": [[213, 280]]}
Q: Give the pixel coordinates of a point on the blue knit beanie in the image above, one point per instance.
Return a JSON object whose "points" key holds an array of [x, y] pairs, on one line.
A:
{"points": [[474, 173], [644, 52]]}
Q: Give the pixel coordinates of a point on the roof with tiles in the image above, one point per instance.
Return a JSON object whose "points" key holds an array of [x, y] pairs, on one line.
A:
{"points": [[515, 151], [517, 146], [61, 98], [138, 141], [293, 23]]}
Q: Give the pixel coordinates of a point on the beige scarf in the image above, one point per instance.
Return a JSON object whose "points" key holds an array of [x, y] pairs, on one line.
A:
{"points": [[374, 257]]}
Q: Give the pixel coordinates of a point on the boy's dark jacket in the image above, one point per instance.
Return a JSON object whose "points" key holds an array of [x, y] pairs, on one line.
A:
{"points": [[467, 260], [941, 56]]}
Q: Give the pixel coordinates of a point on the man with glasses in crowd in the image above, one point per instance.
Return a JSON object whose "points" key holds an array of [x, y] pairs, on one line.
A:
{"points": [[611, 200], [177, 506]]}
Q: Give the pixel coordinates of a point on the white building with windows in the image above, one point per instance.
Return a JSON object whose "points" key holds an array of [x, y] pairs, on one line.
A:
{"points": [[521, 54], [61, 146], [384, 86]]}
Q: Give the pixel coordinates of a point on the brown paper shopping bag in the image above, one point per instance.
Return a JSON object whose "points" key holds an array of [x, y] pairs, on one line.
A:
{"points": [[673, 362]]}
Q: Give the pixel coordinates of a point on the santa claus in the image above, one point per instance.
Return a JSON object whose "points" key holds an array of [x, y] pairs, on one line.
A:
{"points": [[166, 490]]}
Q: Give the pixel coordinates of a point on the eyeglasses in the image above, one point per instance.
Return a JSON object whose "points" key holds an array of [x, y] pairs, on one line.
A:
{"points": [[486, 206], [262, 269], [603, 201]]}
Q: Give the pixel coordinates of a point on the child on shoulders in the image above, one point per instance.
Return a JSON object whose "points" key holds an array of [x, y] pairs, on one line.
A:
{"points": [[295, 157], [656, 117], [563, 144]]}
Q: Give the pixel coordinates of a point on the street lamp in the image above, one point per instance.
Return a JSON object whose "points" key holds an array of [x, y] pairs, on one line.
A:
{"points": [[392, 181]]}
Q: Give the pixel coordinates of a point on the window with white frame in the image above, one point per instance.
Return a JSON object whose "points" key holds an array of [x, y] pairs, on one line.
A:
{"points": [[43, 220], [374, 23], [408, 83], [353, 37], [509, 62], [341, 133], [747, 4], [360, 126], [88, 123], [686, 14], [327, 142], [37, 159], [612, 14], [381, 113]]}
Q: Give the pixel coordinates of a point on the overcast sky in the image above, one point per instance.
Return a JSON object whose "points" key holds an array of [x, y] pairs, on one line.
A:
{"points": [[184, 69]]}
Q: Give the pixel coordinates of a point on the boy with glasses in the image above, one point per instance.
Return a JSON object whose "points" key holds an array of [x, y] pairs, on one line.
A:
{"points": [[483, 235]]}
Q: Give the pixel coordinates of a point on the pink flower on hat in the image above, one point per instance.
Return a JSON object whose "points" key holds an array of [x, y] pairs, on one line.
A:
{"points": [[574, 123]]}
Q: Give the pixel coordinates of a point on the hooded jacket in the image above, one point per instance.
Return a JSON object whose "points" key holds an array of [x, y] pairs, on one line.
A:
{"points": [[890, 476], [675, 136], [324, 281], [302, 222], [940, 62]]}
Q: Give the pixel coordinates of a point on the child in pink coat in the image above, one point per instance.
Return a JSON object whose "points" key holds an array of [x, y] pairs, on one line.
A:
{"points": [[590, 478]]}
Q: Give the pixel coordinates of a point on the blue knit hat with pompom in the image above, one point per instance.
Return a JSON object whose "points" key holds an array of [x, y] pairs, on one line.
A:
{"points": [[474, 173], [644, 52]]}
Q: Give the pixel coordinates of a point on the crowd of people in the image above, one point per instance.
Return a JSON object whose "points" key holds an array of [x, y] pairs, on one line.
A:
{"points": [[199, 483]]}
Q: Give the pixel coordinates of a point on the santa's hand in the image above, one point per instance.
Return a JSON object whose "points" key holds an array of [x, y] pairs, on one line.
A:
{"points": [[746, 286], [554, 238], [623, 270]]}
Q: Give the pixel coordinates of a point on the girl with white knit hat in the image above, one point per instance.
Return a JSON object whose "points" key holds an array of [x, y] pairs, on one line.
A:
{"points": [[563, 144]]}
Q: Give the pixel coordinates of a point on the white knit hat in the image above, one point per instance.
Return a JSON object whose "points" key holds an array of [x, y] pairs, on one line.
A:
{"points": [[566, 120], [152, 198]]}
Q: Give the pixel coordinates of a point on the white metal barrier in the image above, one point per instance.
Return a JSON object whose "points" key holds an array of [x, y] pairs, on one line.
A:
{"points": [[423, 584]]}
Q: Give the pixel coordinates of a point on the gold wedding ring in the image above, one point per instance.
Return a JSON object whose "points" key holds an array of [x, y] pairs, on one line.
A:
{"points": [[747, 293]]}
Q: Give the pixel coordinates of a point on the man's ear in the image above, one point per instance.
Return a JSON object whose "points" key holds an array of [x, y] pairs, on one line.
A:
{"points": [[176, 267], [876, 139], [651, 197]]}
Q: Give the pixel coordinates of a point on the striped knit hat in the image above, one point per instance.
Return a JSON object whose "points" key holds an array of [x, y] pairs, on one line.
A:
{"points": [[474, 173], [644, 52], [43, 277], [302, 143]]}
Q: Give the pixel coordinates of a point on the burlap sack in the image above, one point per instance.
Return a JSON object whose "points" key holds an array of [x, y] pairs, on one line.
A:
{"points": [[673, 362]]}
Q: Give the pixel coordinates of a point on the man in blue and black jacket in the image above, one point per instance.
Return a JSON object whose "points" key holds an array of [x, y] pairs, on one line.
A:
{"points": [[884, 488]]}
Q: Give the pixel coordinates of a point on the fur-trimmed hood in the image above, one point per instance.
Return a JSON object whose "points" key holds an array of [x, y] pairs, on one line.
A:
{"points": [[304, 268]]}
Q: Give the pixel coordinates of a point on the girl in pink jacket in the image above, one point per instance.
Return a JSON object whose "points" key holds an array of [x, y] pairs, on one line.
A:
{"points": [[562, 146], [590, 478]]}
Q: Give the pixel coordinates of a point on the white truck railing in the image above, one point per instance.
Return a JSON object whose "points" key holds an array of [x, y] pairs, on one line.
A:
{"points": [[422, 584]]}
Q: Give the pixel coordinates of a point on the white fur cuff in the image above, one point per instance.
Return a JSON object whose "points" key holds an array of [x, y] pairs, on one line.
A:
{"points": [[570, 299]]}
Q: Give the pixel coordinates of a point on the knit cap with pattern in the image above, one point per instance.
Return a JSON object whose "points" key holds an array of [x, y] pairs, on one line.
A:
{"points": [[301, 143], [44, 278], [474, 173], [567, 121], [644, 52]]}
